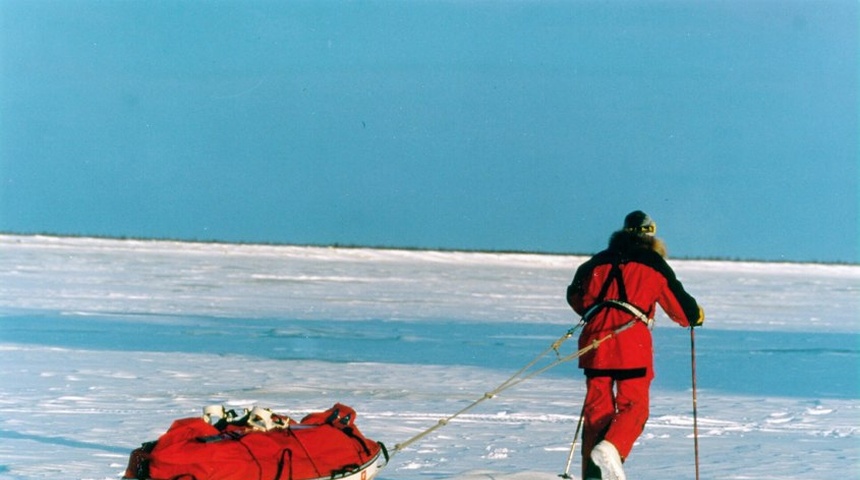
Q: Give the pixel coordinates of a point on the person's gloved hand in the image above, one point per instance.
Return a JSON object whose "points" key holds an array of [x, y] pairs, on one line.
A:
{"points": [[699, 321]]}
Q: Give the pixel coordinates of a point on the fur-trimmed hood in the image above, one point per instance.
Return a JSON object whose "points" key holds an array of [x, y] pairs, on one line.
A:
{"points": [[624, 242]]}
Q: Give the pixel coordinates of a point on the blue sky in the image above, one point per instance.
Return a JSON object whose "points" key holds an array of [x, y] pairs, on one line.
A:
{"points": [[512, 125]]}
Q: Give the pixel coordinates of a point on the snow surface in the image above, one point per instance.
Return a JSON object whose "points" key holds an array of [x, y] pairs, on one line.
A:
{"points": [[104, 342]]}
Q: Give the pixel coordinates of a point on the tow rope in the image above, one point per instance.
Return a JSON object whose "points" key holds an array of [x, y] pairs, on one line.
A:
{"points": [[524, 374]]}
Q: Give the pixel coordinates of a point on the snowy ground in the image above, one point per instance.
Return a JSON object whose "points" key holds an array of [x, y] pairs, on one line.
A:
{"points": [[103, 343]]}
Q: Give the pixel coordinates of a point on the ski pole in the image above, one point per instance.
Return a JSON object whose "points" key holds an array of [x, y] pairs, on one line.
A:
{"points": [[695, 401], [566, 473]]}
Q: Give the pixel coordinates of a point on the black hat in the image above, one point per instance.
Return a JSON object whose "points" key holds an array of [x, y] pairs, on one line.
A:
{"points": [[639, 222]]}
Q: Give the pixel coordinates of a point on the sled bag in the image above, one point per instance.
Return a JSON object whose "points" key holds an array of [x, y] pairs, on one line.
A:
{"points": [[323, 445]]}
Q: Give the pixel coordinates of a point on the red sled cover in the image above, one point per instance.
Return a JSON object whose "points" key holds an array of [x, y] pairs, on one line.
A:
{"points": [[323, 445]]}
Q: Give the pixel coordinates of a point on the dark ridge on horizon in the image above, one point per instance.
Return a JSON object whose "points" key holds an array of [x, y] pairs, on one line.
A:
{"points": [[404, 248]]}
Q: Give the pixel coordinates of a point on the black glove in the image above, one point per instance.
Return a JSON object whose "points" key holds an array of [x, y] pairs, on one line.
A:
{"points": [[699, 321]]}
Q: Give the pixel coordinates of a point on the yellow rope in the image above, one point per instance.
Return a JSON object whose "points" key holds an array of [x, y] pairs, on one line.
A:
{"points": [[518, 378]]}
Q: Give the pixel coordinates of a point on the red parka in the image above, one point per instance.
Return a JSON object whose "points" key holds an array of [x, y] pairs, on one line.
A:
{"points": [[645, 279]]}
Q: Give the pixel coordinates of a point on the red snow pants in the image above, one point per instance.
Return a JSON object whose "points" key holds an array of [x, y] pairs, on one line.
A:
{"points": [[616, 411]]}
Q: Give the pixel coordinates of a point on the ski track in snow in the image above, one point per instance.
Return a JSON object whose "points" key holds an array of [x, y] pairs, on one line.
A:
{"points": [[73, 409]]}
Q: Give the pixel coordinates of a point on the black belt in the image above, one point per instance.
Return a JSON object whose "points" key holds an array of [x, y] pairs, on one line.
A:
{"points": [[627, 307]]}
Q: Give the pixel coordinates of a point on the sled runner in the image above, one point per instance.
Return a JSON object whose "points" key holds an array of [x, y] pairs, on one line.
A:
{"points": [[260, 444]]}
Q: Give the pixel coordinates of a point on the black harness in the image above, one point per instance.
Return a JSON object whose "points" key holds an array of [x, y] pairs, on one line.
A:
{"points": [[619, 303]]}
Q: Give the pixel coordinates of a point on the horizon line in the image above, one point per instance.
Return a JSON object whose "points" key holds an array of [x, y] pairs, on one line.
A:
{"points": [[394, 247]]}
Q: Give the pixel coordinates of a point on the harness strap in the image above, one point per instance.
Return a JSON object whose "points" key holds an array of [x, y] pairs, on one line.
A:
{"points": [[627, 307], [621, 302], [614, 276], [630, 308]]}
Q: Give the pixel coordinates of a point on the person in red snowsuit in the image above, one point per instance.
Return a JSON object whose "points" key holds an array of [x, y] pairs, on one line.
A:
{"points": [[617, 287]]}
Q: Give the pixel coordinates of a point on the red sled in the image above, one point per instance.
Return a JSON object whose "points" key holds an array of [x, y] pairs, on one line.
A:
{"points": [[322, 446]]}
